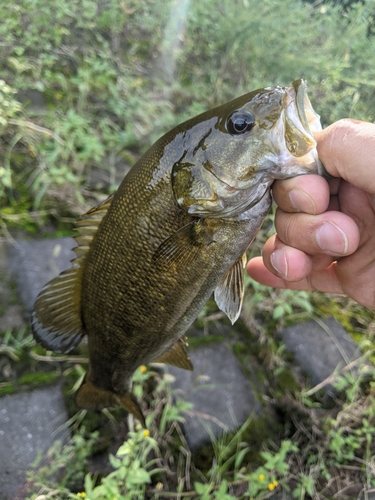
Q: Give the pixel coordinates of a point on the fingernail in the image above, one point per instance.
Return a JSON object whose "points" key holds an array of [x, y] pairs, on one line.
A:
{"points": [[331, 239], [280, 263], [302, 202]]}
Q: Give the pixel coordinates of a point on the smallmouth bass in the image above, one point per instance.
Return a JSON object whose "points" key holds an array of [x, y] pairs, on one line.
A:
{"points": [[176, 230]]}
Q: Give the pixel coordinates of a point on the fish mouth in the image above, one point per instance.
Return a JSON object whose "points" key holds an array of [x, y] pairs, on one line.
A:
{"points": [[300, 123], [310, 120]]}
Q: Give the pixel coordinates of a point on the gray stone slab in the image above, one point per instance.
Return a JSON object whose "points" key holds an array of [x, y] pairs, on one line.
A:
{"points": [[319, 350], [222, 397], [33, 263], [28, 423], [10, 313]]}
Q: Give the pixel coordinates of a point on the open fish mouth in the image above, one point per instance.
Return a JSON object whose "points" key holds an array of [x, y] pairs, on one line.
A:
{"points": [[300, 122], [310, 120]]}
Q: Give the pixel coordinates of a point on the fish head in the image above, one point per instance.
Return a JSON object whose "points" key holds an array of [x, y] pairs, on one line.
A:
{"points": [[233, 153]]}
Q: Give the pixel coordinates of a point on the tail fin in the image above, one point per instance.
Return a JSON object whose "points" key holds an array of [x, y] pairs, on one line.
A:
{"points": [[57, 317], [91, 397]]}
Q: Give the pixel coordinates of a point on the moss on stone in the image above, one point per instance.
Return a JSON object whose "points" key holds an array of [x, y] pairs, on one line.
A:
{"points": [[7, 389], [286, 382], [37, 379]]}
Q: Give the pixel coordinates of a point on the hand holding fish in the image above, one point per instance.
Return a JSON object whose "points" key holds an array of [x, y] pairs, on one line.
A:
{"points": [[326, 230]]}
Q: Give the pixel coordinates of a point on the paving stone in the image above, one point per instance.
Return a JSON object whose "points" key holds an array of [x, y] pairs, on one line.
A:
{"points": [[10, 312], [33, 263], [222, 396], [28, 423], [319, 350]]}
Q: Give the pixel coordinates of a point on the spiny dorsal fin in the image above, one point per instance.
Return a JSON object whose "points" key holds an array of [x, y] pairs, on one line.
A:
{"points": [[229, 293], [56, 319], [176, 356], [87, 225]]}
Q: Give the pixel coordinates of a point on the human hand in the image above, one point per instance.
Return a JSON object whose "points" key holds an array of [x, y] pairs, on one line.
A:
{"points": [[326, 230]]}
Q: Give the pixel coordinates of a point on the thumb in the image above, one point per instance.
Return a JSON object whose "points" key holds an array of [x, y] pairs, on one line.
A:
{"points": [[347, 149]]}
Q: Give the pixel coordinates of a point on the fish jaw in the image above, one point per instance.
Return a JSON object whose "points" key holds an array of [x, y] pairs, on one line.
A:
{"points": [[294, 132]]}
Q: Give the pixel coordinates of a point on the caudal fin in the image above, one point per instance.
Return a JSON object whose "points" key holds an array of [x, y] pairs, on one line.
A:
{"points": [[56, 321], [91, 397]]}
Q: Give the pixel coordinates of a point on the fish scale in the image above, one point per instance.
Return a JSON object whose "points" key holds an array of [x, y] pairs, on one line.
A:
{"points": [[176, 230]]}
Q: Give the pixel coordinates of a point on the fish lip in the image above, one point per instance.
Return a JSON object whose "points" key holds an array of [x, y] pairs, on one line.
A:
{"points": [[309, 120]]}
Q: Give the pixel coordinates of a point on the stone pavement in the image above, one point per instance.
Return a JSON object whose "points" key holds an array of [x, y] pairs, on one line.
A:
{"points": [[320, 349], [32, 263], [29, 422], [223, 398]]}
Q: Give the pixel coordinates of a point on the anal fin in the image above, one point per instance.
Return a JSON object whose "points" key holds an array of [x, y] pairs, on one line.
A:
{"points": [[93, 398], [230, 291], [176, 356]]}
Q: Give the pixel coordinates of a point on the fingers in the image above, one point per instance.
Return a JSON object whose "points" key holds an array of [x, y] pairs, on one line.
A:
{"points": [[290, 263], [306, 193], [324, 280], [330, 233], [305, 244], [347, 150]]}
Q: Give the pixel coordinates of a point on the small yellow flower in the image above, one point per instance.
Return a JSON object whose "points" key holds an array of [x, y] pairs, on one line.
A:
{"points": [[261, 477], [275, 483], [143, 368], [159, 486], [146, 433], [81, 495], [271, 486]]}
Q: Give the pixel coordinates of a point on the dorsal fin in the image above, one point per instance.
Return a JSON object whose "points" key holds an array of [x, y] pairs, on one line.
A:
{"points": [[56, 319], [87, 225]]}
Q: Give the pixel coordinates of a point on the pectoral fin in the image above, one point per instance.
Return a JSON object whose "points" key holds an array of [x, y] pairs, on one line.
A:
{"points": [[91, 397], [183, 246], [229, 293], [176, 356]]}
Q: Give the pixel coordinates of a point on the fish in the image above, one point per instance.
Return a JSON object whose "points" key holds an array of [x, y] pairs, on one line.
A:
{"points": [[176, 230]]}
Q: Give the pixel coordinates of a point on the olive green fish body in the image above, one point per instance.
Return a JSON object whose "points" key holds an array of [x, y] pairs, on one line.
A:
{"points": [[135, 322], [176, 230]]}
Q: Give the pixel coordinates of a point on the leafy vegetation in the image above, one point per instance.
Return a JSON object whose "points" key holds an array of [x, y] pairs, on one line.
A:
{"points": [[95, 90], [81, 98], [326, 453]]}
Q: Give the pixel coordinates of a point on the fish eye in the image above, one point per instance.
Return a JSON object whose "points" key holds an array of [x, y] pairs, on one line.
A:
{"points": [[240, 122]]}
